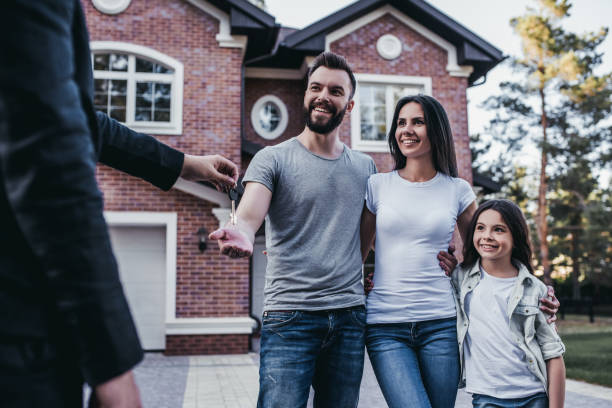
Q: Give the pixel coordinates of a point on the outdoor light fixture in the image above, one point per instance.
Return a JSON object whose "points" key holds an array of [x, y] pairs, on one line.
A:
{"points": [[202, 235]]}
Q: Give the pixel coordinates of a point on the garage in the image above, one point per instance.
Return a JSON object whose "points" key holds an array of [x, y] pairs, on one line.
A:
{"points": [[141, 255]]}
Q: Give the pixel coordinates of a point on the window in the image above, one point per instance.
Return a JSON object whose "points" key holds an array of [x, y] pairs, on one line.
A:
{"points": [[375, 102], [139, 90], [269, 117]]}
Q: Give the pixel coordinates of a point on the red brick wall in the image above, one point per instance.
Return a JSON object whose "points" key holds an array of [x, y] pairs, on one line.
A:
{"points": [[291, 92], [208, 285], [420, 57], [214, 344]]}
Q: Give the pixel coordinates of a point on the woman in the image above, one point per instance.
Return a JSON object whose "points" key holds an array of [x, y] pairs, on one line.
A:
{"points": [[411, 319]]}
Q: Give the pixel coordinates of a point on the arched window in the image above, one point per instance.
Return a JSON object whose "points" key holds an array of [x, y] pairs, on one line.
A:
{"points": [[138, 86]]}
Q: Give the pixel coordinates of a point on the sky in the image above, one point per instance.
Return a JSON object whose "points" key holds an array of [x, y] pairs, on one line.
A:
{"points": [[487, 18]]}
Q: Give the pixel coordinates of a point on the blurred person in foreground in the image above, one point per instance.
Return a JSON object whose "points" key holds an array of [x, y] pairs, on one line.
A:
{"points": [[65, 319]]}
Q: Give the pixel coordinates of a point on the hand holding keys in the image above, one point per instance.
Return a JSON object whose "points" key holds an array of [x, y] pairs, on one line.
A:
{"points": [[232, 241]]}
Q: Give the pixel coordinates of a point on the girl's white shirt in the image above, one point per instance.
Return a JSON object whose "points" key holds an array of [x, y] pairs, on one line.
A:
{"points": [[495, 365], [537, 339]]}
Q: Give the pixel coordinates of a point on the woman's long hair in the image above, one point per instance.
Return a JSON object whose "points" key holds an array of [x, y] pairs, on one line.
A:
{"points": [[438, 131], [515, 220]]}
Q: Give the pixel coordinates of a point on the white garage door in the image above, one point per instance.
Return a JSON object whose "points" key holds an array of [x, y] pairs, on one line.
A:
{"points": [[141, 254], [258, 276]]}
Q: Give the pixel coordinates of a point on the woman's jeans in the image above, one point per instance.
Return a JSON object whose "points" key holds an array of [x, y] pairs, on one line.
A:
{"points": [[323, 348], [539, 400], [416, 364]]}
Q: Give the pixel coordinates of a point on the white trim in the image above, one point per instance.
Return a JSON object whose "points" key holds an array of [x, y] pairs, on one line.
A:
{"points": [[147, 218], [175, 126], [452, 67], [273, 73], [202, 191], [224, 36], [282, 124], [111, 7], [380, 146], [397, 80], [211, 325]]}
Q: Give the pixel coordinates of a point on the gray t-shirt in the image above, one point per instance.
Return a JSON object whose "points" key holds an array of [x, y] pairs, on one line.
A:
{"points": [[312, 226]]}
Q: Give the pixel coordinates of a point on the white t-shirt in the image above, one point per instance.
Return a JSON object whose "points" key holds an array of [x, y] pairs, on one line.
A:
{"points": [[414, 221], [494, 364]]}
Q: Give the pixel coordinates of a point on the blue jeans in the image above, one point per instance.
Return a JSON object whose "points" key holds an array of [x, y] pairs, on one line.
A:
{"points": [[416, 364], [324, 349], [539, 400]]}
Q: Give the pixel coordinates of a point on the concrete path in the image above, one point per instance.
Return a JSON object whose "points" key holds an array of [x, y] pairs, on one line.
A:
{"points": [[231, 381]]}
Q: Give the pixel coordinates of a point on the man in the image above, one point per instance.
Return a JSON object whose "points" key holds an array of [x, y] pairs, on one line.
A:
{"points": [[312, 188], [64, 317]]}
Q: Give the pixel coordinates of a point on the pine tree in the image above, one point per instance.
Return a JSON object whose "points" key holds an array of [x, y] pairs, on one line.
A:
{"points": [[556, 76]]}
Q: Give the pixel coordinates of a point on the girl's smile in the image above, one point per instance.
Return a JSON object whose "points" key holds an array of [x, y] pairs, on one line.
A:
{"points": [[492, 237]]}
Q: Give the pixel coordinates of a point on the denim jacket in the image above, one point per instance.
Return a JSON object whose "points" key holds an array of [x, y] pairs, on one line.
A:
{"points": [[538, 339]]}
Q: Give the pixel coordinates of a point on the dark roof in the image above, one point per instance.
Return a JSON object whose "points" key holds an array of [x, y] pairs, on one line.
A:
{"points": [[487, 184], [471, 49], [248, 19]]}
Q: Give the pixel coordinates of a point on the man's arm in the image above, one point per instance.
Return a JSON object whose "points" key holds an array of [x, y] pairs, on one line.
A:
{"points": [[145, 157], [237, 241]]}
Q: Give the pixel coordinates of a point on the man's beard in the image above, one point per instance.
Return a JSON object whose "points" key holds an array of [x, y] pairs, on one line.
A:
{"points": [[326, 127]]}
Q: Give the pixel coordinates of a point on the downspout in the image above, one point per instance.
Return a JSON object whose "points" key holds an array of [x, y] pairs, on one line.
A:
{"points": [[242, 137]]}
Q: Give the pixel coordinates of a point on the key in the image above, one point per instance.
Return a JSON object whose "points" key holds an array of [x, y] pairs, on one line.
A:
{"points": [[233, 195]]}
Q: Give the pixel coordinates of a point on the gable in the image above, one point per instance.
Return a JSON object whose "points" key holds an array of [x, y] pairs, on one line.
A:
{"points": [[388, 20]]}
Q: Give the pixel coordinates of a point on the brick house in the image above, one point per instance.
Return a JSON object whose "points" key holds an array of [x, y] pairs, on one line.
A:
{"points": [[221, 76]]}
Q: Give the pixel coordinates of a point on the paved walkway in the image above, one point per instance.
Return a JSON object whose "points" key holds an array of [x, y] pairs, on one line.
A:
{"points": [[231, 381]]}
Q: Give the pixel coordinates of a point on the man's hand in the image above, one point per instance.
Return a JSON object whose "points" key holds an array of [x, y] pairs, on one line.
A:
{"points": [[119, 392], [214, 169], [550, 306], [448, 260], [233, 242]]}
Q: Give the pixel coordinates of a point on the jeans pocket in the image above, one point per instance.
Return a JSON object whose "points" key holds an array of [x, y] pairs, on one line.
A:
{"points": [[358, 315], [274, 319]]}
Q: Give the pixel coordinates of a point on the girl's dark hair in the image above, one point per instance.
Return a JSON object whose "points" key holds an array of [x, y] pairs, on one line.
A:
{"points": [[515, 220], [438, 131]]}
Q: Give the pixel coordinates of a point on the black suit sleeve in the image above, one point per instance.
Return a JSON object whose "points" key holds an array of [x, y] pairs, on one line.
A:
{"points": [[138, 154], [47, 167]]}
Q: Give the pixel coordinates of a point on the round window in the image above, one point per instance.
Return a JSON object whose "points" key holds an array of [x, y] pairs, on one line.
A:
{"points": [[389, 46], [111, 6], [269, 117]]}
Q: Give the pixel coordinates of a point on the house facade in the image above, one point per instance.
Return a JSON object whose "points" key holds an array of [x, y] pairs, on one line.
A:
{"points": [[221, 76]]}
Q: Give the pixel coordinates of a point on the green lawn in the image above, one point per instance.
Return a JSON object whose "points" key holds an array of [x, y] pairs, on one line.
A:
{"points": [[589, 349]]}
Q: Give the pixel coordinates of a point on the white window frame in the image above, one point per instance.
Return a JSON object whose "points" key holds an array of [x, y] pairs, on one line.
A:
{"points": [[175, 126], [282, 124], [380, 146]]}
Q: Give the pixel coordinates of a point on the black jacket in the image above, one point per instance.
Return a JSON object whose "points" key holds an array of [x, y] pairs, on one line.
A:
{"points": [[58, 277]]}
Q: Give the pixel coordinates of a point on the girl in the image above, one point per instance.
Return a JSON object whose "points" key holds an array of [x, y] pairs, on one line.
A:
{"points": [[411, 319], [511, 356]]}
